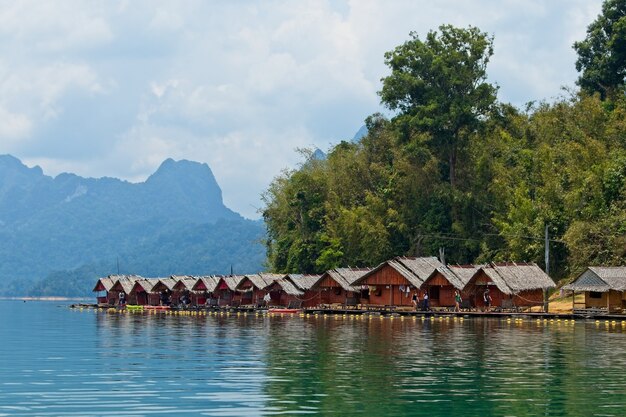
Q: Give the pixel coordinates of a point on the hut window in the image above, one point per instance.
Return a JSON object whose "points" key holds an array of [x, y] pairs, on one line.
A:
{"points": [[594, 294]]}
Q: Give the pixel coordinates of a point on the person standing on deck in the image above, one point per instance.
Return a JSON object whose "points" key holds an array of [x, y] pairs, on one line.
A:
{"points": [[487, 300], [425, 307], [457, 301], [122, 297], [415, 300]]}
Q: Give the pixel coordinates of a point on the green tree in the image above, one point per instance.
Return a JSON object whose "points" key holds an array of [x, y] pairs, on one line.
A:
{"points": [[439, 86], [602, 55]]}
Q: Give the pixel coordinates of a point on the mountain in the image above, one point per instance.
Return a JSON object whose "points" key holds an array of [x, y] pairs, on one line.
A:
{"points": [[66, 223], [360, 134]]}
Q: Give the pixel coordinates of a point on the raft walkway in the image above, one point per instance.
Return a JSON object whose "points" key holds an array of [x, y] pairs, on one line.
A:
{"points": [[385, 312]]}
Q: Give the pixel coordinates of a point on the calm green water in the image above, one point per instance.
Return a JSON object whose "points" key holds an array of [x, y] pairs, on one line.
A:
{"points": [[58, 362]]}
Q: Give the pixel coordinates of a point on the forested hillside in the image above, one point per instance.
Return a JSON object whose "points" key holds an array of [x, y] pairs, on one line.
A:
{"points": [[455, 168]]}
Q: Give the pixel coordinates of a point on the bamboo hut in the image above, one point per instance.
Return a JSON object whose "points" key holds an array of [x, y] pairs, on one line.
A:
{"points": [[103, 290], [142, 292], [510, 285], [392, 282], [604, 289], [305, 282], [206, 287], [444, 281], [184, 286], [226, 290], [253, 287], [284, 293], [124, 284], [164, 287], [337, 289]]}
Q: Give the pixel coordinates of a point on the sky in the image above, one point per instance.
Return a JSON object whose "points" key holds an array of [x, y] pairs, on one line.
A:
{"points": [[115, 87]]}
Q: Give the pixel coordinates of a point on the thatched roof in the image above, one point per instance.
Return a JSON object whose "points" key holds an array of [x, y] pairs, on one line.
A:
{"points": [[303, 281], [512, 278], [600, 279], [145, 284], [262, 280], [287, 286], [232, 281], [164, 284], [210, 282], [458, 276], [125, 283], [105, 283], [414, 270], [184, 282], [344, 277]]}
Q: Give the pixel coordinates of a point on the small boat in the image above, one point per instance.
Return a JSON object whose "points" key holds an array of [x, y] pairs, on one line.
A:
{"points": [[284, 310], [131, 307], [157, 307]]}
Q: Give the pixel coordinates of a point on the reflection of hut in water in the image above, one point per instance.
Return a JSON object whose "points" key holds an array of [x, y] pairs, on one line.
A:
{"points": [[253, 287], [305, 282], [393, 281], [142, 292], [603, 287], [509, 284], [103, 290], [336, 287], [444, 281]]}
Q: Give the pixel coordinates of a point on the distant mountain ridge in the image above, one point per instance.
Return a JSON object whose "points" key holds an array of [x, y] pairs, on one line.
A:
{"points": [[50, 224]]}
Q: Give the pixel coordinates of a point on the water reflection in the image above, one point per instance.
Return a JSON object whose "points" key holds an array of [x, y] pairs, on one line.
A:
{"points": [[57, 362]]}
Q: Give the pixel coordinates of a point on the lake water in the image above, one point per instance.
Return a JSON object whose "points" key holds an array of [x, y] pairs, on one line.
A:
{"points": [[60, 362]]}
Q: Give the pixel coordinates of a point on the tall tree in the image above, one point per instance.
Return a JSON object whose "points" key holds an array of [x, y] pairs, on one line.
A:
{"points": [[602, 55], [439, 86]]}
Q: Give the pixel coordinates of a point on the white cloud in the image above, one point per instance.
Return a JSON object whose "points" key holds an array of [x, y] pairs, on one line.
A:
{"points": [[113, 88]]}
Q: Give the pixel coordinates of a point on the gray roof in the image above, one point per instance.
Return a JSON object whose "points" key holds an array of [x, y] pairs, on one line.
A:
{"points": [[210, 282], [600, 279], [107, 283], [146, 284], [232, 281], [346, 277], [414, 270], [288, 287], [512, 278], [304, 281], [185, 281], [262, 280], [164, 283], [126, 282], [457, 276]]}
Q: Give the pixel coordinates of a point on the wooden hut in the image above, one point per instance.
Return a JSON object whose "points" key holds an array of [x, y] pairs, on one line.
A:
{"points": [[305, 282], [444, 281], [164, 287], [226, 290], [510, 285], [337, 289], [392, 282], [124, 284], [604, 289], [284, 293], [103, 290], [142, 292], [206, 287], [184, 285], [253, 287]]}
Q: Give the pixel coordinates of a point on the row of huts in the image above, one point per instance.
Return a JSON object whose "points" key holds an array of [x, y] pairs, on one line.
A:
{"points": [[391, 284]]}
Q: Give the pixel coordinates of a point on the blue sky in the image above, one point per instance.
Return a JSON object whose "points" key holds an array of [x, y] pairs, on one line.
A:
{"points": [[112, 88]]}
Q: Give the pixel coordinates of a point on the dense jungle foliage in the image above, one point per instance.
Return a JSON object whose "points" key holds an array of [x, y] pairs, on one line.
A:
{"points": [[455, 168]]}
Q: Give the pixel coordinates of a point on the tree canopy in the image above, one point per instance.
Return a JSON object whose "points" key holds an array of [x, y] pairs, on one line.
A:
{"points": [[602, 54]]}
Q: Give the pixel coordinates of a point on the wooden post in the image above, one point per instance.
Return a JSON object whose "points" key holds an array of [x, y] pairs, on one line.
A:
{"points": [[608, 300], [573, 300], [391, 295]]}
